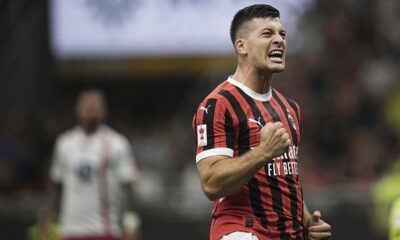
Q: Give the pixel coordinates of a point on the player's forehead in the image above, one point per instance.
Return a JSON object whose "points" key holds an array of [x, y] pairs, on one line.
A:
{"points": [[91, 98], [267, 23]]}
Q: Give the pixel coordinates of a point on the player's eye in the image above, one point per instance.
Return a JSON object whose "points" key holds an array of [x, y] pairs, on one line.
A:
{"points": [[283, 34], [266, 34]]}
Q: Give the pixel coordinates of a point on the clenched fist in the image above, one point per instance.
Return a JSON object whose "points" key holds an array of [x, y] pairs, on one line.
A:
{"points": [[274, 140]]}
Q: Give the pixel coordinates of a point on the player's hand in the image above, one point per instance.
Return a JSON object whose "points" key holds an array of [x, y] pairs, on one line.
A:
{"points": [[274, 140], [318, 229]]}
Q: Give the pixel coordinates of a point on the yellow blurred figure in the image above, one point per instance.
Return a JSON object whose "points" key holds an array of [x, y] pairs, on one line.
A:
{"points": [[384, 193], [43, 230], [394, 221]]}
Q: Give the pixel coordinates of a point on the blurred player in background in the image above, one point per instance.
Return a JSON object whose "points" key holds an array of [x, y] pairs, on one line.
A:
{"points": [[93, 170], [247, 138]]}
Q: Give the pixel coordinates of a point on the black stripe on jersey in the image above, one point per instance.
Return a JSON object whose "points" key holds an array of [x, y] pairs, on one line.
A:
{"points": [[244, 134], [255, 193], [302, 209], [273, 181], [208, 118], [255, 201], [293, 105], [290, 101], [289, 179], [229, 132], [285, 112]]}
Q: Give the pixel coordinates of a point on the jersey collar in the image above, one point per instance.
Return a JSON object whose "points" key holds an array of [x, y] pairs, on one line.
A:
{"points": [[258, 96]]}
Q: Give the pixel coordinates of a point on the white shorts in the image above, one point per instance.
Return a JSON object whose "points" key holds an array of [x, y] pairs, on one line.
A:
{"points": [[240, 236]]}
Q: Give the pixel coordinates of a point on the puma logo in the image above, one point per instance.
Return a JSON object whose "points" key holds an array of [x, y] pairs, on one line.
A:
{"points": [[205, 108], [258, 121]]}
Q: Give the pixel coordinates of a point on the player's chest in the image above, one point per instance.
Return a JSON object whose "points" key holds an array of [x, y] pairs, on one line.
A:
{"points": [[85, 161], [247, 125]]}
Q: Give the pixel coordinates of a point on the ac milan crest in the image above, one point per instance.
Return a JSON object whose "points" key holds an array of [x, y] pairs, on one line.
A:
{"points": [[291, 120]]}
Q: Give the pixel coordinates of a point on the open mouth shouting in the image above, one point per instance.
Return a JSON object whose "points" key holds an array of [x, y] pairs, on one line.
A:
{"points": [[276, 56]]}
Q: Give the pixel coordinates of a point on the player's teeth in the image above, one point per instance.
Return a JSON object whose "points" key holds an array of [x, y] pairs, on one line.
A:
{"points": [[276, 52]]}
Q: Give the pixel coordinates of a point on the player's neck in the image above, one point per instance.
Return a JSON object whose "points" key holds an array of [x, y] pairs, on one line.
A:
{"points": [[257, 81], [90, 130]]}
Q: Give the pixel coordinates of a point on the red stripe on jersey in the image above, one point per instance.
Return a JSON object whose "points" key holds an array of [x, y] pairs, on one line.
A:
{"points": [[219, 127], [211, 114]]}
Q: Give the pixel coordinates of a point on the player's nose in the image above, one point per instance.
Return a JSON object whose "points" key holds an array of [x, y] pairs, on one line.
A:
{"points": [[277, 39]]}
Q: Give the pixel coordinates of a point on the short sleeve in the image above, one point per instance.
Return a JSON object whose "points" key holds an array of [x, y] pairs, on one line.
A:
{"points": [[57, 163], [126, 166], [213, 129]]}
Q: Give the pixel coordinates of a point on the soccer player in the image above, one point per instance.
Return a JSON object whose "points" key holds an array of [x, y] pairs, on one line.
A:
{"points": [[93, 169], [247, 138]]}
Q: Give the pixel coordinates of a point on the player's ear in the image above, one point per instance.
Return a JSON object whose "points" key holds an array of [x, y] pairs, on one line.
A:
{"points": [[241, 46]]}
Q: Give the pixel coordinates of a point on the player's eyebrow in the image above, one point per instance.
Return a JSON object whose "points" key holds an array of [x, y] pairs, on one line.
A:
{"points": [[281, 29]]}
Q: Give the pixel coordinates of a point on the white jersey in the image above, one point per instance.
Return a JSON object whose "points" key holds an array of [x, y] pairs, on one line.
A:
{"points": [[91, 170]]}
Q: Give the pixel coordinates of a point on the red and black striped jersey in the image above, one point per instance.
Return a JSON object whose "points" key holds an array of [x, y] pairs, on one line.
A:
{"points": [[228, 122]]}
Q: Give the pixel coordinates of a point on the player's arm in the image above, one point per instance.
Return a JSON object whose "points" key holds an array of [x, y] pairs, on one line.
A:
{"points": [[130, 219], [222, 175], [49, 209], [315, 227], [128, 173]]}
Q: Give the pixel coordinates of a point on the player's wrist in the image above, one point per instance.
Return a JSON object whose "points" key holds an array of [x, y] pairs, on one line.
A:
{"points": [[261, 156]]}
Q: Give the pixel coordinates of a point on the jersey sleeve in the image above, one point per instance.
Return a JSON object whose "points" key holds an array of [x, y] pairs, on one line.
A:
{"points": [[126, 167], [57, 163], [213, 129]]}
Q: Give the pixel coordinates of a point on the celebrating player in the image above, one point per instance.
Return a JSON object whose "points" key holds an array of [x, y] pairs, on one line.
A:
{"points": [[247, 138]]}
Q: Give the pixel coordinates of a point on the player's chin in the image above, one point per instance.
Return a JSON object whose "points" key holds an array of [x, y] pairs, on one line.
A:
{"points": [[276, 67]]}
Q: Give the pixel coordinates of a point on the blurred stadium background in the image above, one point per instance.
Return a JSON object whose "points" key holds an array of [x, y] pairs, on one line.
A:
{"points": [[156, 60]]}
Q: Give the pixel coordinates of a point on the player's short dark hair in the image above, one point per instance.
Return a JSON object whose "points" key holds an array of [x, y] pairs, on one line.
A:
{"points": [[248, 13]]}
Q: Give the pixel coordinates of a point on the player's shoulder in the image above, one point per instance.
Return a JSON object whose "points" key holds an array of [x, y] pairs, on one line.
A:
{"points": [[277, 94], [116, 137], [68, 135], [216, 93]]}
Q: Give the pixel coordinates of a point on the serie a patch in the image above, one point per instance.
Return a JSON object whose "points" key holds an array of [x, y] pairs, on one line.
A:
{"points": [[202, 135]]}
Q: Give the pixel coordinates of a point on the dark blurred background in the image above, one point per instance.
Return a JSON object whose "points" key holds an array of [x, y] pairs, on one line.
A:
{"points": [[342, 67]]}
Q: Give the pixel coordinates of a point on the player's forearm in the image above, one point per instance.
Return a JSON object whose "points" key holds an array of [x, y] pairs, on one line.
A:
{"points": [[130, 219], [228, 175]]}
